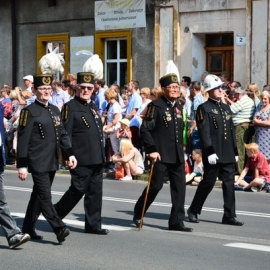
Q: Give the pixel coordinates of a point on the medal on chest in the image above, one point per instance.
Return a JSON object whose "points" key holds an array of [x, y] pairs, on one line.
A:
{"points": [[178, 113], [57, 120], [168, 115], [96, 116]]}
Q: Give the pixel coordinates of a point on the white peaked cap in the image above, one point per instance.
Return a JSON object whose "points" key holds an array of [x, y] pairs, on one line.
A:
{"points": [[29, 78]]}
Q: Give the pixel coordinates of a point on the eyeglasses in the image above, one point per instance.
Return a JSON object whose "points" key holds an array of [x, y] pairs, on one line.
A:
{"points": [[173, 87], [44, 88], [86, 87]]}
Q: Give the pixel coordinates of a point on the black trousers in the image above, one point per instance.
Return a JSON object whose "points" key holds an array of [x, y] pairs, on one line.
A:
{"points": [[178, 191], [225, 172], [88, 181], [41, 202]]}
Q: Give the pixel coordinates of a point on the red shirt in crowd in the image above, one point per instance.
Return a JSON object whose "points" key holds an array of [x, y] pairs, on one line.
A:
{"points": [[259, 161]]}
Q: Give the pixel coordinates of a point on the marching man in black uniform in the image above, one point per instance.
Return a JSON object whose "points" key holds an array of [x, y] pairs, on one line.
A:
{"points": [[162, 135], [216, 130], [84, 125], [40, 133]]}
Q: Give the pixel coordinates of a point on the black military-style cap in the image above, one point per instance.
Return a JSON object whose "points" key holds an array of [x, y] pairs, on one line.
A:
{"points": [[85, 77], [168, 79], [42, 79]]}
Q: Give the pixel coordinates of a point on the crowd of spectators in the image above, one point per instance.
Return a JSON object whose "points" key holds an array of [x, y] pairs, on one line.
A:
{"points": [[123, 110]]}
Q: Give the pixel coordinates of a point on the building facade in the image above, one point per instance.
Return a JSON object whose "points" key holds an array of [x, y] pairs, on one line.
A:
{"points": [[199, 35]]}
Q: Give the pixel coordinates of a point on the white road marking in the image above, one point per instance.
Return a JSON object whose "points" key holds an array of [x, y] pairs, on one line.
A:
{"points": [[113, 199], [78, 223], [249, 246]]}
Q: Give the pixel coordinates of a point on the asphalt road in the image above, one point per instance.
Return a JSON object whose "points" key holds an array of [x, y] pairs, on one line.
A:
{"points": [[210, 246]]}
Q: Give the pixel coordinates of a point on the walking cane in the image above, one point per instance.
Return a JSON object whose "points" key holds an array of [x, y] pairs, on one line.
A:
{"points": [[146, 193]]}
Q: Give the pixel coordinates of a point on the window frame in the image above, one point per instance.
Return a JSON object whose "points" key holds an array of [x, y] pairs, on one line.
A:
{"points": [[43, 39], [100, 39]]}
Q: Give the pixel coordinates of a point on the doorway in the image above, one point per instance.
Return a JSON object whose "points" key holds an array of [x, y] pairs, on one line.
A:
{"points": [[219, 53]]}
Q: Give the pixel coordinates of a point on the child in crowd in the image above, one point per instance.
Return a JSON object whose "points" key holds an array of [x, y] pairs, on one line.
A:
{"points": [[129, 157], [196, 175], [125, 101], [124, 130], [258, 164]]}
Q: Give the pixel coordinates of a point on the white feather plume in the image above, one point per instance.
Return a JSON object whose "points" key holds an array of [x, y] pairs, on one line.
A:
{"points": [[51, 63], [172, 68], [94, 65]]}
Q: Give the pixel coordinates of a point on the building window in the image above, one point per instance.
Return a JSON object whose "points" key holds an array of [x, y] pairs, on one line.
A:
{"points": [[114, 49], [116, 61]]}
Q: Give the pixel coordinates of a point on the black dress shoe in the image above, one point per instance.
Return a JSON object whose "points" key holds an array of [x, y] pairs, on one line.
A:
{"points": [[98, 231], [35, 236], [231, 221], [192, 217], [136, 222], [62, 234], [179, 227]]}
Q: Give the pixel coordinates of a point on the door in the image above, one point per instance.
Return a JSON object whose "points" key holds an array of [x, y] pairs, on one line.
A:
{"points": [[219, 54]]}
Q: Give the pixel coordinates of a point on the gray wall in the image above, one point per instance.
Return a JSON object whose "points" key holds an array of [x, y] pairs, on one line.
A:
{"points": [[5, 43], [73, 16]]}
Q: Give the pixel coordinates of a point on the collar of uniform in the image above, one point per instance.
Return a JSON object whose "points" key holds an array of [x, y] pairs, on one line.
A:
{"points": [[38, 102], [168, 102], [81, 101], [217, 102]]}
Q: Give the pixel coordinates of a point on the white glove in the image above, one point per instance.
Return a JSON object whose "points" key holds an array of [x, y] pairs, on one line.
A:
{"points": [[236, 158], [212, 159]]}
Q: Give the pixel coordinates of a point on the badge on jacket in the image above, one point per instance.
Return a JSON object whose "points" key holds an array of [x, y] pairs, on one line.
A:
{"points": [[57, 120], [168, 116], [178, 113]]}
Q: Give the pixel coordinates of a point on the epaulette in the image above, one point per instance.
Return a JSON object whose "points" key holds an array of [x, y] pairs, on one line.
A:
{"points": [[23, 118], [150, 111], [64, 112], [199, 115]]}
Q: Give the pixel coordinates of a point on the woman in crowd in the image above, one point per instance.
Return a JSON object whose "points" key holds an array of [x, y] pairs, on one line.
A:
{"points": [[129, 157], [254, 93], [261, 123], [72, 91], [156, 93], [72, 79], [113, 116], [145, 94]]}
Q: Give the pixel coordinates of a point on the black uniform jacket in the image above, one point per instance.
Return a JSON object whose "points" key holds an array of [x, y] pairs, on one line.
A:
{"points": [[216, 130], [162, 130], [84, 126], [40, 133]]}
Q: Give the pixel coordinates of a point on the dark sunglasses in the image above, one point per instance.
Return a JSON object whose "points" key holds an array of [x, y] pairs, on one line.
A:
{"points": [[86, 87]]}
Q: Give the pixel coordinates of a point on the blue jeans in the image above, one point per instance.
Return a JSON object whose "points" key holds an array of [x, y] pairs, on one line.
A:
{"points": [[7, 222]]}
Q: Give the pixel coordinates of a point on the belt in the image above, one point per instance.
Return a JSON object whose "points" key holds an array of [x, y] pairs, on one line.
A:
{"points": [[243, 124]]}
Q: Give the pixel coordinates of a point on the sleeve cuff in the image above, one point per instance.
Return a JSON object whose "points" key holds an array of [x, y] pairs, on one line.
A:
{"points": [[22, 163], [68, 152], [209, 150], [151, 149]]}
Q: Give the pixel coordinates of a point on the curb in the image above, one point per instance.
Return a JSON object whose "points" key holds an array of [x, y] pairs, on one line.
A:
{"points": [[109, 175]]}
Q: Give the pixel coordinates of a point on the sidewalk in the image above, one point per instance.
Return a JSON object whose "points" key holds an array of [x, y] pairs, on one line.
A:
{"points": [[108, 175]]}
